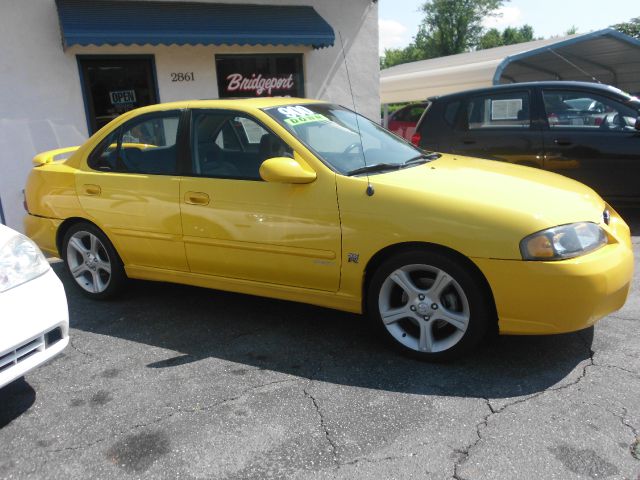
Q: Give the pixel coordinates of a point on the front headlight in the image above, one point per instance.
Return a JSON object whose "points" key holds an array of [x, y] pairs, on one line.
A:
{"points": [[565, 241], [20, 261]]}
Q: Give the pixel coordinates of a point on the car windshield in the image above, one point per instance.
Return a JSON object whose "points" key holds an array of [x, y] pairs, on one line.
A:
{"points": [[350, 143]]}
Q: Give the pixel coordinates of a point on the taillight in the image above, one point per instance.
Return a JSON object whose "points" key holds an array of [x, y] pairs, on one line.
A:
{"points": [[415, 139]]}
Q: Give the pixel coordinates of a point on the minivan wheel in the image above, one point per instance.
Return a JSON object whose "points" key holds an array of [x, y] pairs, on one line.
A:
{"points": [[429, 305], [92, 262]]}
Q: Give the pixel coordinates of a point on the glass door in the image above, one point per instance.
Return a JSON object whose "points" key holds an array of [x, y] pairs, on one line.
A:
{"points": [[114, 85]]}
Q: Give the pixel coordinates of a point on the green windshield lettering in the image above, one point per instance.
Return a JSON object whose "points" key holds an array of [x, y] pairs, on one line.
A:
{"points": [[316, 117]]}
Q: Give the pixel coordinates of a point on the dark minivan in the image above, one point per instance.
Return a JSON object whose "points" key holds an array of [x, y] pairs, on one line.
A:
{"points": [[586, 131]]}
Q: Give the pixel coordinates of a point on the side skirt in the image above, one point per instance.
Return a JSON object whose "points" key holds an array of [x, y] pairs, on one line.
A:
{"points": [[337, 301]]}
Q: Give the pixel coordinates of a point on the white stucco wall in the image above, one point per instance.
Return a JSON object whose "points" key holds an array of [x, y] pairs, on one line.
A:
{"points": [[41, 102]]}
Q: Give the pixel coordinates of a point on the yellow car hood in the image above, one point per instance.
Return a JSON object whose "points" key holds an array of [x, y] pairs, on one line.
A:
{"points": [[482, 207]]}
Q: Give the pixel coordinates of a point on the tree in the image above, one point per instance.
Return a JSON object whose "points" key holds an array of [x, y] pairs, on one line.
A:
{"points": [[509, 36], [454, 26], [448, 27], [396, 56], [631, 28], [572, 31]]}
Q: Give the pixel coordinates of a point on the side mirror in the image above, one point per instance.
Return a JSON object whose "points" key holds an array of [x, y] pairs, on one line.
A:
{"points": [[285, 170], [638, 123]]}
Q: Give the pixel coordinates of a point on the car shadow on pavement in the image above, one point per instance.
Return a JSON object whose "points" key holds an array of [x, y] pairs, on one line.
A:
{"points": [[313, 342], [15, 399]]}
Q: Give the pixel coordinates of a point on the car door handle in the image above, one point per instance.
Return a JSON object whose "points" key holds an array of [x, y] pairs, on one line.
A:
{"points": [[468, 141], [90, 189], [562, 142], [196, 198]]}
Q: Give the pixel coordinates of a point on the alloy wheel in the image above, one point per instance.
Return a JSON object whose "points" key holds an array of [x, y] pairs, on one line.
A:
{"points": [[424, 308], [88, 262]]}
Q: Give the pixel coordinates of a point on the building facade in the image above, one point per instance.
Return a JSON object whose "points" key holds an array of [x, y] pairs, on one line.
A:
{"points": [[69, 66]]}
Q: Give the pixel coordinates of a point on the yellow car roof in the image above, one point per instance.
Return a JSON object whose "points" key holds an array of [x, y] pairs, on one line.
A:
{"points": [[261, 102]]}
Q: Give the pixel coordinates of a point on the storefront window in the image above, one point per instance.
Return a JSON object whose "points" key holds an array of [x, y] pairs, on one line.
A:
{"points": [[260, 75]]}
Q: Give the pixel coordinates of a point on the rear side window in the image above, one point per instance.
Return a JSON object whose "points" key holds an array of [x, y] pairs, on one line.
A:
{"points": [[143, 145], [500, 110], [410, 113], [451, 112]]}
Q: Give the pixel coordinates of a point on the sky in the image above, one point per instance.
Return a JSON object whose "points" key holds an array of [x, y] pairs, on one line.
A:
{"points": [[399, 19]]}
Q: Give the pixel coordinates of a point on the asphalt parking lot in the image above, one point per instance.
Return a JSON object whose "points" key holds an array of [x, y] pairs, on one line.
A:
{"points": [[180, 382]]}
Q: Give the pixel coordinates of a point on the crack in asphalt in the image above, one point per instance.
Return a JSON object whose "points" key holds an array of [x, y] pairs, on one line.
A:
{"points": [[330, 441], [174, 411], [465, 453], [616, 367], [73, 345]]}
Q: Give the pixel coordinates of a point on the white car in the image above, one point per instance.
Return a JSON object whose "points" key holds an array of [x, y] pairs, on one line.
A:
{"points": [[34, 318]]}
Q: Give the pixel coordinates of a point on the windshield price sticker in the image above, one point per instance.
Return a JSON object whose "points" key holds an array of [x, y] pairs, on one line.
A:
{"points": [[297, 114], [295, 111]]}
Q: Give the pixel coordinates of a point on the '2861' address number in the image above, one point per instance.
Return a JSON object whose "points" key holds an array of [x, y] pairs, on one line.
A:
{"points": [[182, 77]]}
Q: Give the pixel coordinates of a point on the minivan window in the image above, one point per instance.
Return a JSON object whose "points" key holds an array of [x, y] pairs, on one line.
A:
{"points": [[578, 110], [451, 111], [499, 110]]}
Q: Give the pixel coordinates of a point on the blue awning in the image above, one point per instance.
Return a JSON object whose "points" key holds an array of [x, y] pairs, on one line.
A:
{"points": [[112, 22]]}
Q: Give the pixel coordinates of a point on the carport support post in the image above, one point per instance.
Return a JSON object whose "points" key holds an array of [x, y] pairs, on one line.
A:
{"points": [[385, 115]]}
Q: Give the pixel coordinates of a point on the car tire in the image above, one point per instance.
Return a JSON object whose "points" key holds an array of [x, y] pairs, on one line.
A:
{"points": [[429, 304], [92, 262]]}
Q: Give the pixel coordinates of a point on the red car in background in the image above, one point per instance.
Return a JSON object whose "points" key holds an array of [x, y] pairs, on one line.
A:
{"points": [[403, 122]]}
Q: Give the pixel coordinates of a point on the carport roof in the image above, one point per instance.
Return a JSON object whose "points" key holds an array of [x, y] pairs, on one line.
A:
{"points": [[606, 55]]}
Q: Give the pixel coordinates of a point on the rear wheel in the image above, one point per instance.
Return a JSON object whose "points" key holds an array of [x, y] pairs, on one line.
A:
{"points": [[92, 262], [429, 304]]}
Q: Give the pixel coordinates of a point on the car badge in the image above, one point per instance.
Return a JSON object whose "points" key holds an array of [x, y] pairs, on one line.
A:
{"points": [[606, 216]]}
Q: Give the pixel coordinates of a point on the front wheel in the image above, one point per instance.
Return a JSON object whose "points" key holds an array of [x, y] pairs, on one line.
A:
{"points": [[93, 262], [429, 304]]}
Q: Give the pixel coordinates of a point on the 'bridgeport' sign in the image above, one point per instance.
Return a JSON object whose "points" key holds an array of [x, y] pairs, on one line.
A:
{"points": [[260, 75], [259, 84]]}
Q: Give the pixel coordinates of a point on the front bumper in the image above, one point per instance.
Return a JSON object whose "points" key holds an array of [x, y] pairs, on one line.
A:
{"points": [[556, 297], [34, 327]]}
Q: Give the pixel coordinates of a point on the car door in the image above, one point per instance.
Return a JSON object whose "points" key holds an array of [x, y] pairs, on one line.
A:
{"points": [[131, 189], [237, 225], [592, 138], [499, 126]]}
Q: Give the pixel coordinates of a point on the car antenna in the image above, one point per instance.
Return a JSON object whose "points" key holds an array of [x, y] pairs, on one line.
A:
{"points": [[370, 190]]}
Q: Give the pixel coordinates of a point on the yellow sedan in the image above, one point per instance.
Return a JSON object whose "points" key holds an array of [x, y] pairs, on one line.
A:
{"points": [[307, 201]]}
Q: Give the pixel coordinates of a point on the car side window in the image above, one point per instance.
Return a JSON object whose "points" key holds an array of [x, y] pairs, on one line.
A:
{"points": [[586, 111], [231, 145], [499, 110], [145, 145], [451, 112], [415, 113]]}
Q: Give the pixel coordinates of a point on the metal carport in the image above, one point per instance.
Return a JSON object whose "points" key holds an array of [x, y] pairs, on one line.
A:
{"points": [[607, 56]]}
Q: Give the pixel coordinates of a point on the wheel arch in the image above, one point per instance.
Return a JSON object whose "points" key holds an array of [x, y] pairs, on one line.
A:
{"points": [[70, 222], [389, 251]]}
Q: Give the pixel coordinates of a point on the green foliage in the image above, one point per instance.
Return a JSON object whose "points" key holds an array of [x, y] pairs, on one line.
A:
{"points": [[509, 36], [572, 31], [448, 27], [631, 28], [453, 26]]}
